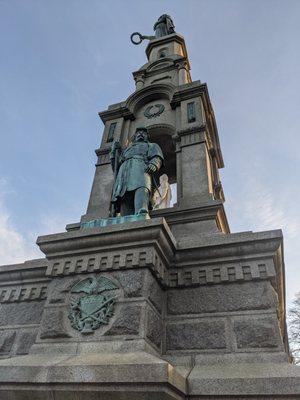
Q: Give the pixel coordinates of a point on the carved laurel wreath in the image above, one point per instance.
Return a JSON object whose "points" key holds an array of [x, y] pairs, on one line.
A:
{"points": [[150, 113]]}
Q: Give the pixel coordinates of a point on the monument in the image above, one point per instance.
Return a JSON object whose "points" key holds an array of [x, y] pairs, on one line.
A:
{"points": [[143, 299]]}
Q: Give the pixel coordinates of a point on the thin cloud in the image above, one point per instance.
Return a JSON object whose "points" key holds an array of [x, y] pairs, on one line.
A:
{"points": [[262, 208], [14, 247], [267, 210]]}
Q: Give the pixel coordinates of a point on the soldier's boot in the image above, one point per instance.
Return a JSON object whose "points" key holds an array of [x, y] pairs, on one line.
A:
{"points": [[141, 201]]}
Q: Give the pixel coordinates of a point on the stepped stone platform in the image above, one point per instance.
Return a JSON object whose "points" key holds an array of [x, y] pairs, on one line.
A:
{"points": [[191, 321]]}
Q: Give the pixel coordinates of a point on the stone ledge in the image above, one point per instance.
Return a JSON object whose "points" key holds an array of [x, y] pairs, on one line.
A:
{"points": [[154, 231], [95, 391], [141, 376], [29, 271], [142, 371], [244, 379]]}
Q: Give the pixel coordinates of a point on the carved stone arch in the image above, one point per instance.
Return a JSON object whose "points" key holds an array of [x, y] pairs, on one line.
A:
{"points": [[164, 129], [163, 134], [160, 63], [154, 92]]}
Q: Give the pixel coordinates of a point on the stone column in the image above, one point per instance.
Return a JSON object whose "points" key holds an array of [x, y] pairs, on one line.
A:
{"points": [[193, 173], [99, 202], [139, 81], [182, 72]]}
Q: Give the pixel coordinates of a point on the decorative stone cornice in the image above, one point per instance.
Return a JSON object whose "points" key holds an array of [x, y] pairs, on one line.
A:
{"points": [[190, 136], [16, 294], [103, 155], [121, 112], [188, 91], [29, 271], [230, 272], [102, 151], [135, 234], [213, 210], [189, 131], [219, 248]]}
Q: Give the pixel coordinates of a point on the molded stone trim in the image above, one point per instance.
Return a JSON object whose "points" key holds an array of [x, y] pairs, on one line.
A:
{"points": [[13, 294]]}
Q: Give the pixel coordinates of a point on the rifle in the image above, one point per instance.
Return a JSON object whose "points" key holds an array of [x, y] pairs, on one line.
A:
{"points": [[156, 185], [116, 150]]}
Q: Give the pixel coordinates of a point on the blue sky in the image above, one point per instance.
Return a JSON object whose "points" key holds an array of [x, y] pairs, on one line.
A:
{"points": [[62, 61]]}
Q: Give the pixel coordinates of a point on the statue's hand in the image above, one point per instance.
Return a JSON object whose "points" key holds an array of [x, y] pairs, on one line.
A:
{"points": [[151, 168]]}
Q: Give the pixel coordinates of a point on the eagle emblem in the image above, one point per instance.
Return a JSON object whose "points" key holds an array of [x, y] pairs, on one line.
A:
{"points": [[94, 308]]}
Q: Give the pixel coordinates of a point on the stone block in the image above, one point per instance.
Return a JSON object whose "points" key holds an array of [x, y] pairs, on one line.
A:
{"points": [[6, 341], [196, 335], [53, 324], [30, 394], [154, 292], [131, 282], [127, 321], [25, 340], [257, 332], [221, 298], [153, 327], [59, 288], [21, 313], [131, 375], [242, 380]]}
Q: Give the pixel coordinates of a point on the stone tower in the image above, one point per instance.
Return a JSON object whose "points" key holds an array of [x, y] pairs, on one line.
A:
{"points": [[171, 307], [179, 117]]}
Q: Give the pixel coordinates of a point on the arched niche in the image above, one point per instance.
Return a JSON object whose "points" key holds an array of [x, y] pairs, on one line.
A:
{"points": [[162, 135], [154, 92]]}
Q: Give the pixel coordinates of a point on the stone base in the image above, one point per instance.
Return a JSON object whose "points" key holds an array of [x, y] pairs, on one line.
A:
{"points": [[143, 376], [256, 376], [115, 376], [201, 317], [102, 222]]}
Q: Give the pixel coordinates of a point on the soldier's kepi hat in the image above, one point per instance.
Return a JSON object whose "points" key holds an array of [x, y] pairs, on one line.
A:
{"points": [[141, 128]]}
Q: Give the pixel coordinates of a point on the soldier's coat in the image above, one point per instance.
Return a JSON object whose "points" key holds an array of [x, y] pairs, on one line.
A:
{"points": [[133, 162]]}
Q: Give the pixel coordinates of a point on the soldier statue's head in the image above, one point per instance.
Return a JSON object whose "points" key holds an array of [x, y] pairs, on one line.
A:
{"points": [[141, 135]]}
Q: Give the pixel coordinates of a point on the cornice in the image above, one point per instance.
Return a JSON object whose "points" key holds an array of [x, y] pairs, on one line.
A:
{"points": [[191, 130], [188, 91], [151, 69], [122, 112], [102, 151]]}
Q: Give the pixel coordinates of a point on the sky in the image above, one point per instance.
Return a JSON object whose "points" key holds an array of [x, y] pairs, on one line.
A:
{"points": [[63, 61]]}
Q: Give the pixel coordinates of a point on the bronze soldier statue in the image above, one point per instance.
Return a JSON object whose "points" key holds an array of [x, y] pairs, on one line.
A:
{"points": [[164, 26], [135, 168]]}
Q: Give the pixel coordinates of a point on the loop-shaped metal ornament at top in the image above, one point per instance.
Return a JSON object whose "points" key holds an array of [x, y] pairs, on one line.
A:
{"points": [[139, 41]]}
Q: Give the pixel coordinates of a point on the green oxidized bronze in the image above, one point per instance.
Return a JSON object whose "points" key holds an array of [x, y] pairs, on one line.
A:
{"points": [[92, 310], [135, 169], [163, 26]]}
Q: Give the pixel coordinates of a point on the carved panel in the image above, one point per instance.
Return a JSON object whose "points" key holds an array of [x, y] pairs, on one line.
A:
{"points": [[13, 294], [226, 273], [143, 257]]}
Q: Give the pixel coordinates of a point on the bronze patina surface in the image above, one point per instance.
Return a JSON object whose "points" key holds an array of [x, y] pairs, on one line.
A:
{"points": [[134, 170]]}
